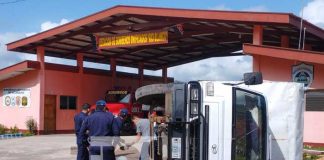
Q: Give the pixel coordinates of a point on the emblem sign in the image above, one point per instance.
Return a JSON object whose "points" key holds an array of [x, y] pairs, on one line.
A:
{"points": [[303, 73], [16, 97]]}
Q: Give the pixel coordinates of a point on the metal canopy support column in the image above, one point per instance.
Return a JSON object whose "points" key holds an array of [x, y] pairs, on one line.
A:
{"points": [[40, 51], [80, 62], [165, 74], [258, 35], [257, 40], [113, 72], [140, 74], [79, 58]]}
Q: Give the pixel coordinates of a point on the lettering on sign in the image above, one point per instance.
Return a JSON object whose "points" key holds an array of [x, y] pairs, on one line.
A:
{"points": [[117, 92], [143, 38]]}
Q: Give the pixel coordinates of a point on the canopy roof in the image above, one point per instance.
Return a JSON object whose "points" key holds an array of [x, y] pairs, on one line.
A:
{"points": [[207, 33], [18, 69]]}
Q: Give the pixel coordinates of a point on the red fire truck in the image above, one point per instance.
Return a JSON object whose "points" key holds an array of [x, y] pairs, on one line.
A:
{"points": [[119, 99]]}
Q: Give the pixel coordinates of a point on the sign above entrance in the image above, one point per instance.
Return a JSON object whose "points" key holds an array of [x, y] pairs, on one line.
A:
{"points": [[303, 73], [133, 39]]}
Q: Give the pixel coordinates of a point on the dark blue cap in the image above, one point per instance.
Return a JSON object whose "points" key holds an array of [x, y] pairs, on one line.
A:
{"points": [[123, 111], [101, 103], [86, 106]]}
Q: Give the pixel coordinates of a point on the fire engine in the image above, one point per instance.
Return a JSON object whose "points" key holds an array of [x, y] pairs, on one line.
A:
{"points": [[118, 99]]}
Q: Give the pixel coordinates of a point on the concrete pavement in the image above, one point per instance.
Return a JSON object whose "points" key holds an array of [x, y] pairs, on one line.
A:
{"points": [[37, 147], [50, 147]]}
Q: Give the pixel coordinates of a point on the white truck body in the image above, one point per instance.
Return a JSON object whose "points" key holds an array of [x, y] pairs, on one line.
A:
{"points": [[285, 108]]}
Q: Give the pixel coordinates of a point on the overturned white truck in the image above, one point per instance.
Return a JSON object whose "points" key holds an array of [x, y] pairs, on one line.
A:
{"points": [[209, 120]]}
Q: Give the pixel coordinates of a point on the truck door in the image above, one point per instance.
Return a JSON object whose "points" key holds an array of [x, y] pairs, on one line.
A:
{"points": [[214, 118], [249, 133]]}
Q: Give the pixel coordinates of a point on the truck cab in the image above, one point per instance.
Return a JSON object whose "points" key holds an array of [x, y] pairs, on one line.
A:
{"points": [[119, 99], [220, 122], [210, 120], [123, 99]]}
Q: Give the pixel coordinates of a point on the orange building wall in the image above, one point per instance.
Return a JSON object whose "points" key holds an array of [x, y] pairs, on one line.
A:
{"points": [[276, 69], [11, 116], [87, 87], [62, 83]]}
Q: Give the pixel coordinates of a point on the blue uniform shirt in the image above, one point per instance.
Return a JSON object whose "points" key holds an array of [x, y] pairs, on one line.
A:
{"points": [[119, 122], [78, 120], [100, 123]]}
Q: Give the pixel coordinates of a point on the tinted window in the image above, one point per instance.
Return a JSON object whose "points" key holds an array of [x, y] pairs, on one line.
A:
{"points": [[68, 102], [249, 126], [63, 102]]}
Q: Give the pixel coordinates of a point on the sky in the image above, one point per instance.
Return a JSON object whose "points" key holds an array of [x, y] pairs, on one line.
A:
{"points": [[21, 18]]}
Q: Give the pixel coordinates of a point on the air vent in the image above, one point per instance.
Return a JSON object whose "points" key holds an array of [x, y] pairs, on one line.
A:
{"points": [[315, 101]]}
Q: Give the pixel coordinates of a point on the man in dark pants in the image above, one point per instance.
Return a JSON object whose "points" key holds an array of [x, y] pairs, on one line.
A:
{"points": [[99, 124], [83, 153]]}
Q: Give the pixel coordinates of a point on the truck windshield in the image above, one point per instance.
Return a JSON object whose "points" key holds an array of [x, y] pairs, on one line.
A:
{"points": [[117, 98], [249, 126], [125, 99]]}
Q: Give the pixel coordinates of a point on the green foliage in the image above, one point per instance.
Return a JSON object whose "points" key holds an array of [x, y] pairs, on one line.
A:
{"points": [[314, 148], [13, 129], [3, 129], [31, 125], [27, 134], [310, 157]]}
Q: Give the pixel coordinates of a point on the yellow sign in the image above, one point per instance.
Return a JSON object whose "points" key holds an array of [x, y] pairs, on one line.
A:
{"points": [[117, 92], [143, 38]]}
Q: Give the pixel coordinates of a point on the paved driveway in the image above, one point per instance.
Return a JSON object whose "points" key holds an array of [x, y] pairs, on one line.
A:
{"points": [[47, 147]]}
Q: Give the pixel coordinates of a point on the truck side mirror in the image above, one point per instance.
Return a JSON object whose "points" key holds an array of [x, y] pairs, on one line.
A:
{"points": [[253, 78]]}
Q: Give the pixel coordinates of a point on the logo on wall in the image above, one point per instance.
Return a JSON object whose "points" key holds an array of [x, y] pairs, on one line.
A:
{"points": [[303, 73], [7, 101], [14, 97]]}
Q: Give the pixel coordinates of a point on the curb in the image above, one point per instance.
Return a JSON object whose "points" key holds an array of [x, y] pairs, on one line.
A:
{"points": [[10, 136], [314, 152]]}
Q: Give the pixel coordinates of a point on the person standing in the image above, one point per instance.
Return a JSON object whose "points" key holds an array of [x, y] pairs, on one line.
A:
{"points": [[83, 153], [143, 135], [101, 124], [120, 120], [121, 117]]}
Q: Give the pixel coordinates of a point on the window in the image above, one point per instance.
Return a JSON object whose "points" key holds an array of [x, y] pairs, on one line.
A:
{"points": [[68, 102], [249, 126], [315, 101], [117, 96], [125, 99]]}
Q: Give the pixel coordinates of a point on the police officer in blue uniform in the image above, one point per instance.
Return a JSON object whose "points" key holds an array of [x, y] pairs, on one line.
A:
{"points": [[101, 123], [121, 117], [83, 153]]}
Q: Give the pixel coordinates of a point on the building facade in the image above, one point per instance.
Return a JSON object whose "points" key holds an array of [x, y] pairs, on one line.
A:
{"points": [[173, 37], [65, 89]]}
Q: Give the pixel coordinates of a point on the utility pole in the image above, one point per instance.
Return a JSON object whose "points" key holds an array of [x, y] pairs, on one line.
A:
{"points": [[301, 24]]}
